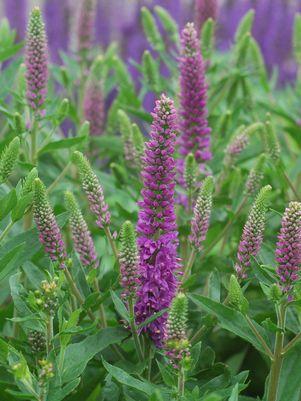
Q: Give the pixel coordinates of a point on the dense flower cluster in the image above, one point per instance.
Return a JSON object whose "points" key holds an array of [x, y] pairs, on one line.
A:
{"points": [[255, 176], [36, 62], [288, 251], [128, 256], [80, 233], [176, 341], [195, 133], [157, 241], [49, 232], [202, 212], [86, 25], [9, 158], [93, 190], [94, 106], [252, 235]]}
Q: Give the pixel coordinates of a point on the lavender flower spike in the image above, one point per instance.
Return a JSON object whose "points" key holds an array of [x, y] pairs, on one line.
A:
{"points": [[203, 10], [80, 233], [288, 251], [157, 230], [94, 106], [49, 233], [85, 25], [93, 190], [195, 133], [252, 235], [202, 212], [128, 256], [36, 61]]}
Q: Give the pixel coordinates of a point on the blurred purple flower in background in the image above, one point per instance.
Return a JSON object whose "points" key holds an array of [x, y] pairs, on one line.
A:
{"points": [[16, 13], [57, 17]]}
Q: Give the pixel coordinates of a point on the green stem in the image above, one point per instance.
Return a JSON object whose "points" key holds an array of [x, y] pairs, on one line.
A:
{"points": [[58, 178], [226, 228], [112, 243], [102, 314], [181, 383], [288, 180], [291, 343], [49, 333], [33, 136], [278, 357], [134, 329], [260, 338], [189, 265], [6, 230]]}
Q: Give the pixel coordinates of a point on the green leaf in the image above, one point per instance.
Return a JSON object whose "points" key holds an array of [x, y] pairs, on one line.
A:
{"points": [[231, 320], [234, 394], [152, 318], [58, 394], [124, 378], [78, 355], [5, 54], [289, 385], [63, 144], [119, 306], [11, 261], [19, 210], [7, 203]]}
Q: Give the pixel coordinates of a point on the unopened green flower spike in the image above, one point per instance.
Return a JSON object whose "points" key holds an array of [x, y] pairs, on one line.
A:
{"points": [[190, 173], [168, 23], [271, 141], [63, 109], [236, 297], [9, 158], [128, 260], [245, 25], [207, 38], [138, 140], [150, 71], [27, 185], [255, 177], [151, 30], [176, 343]]}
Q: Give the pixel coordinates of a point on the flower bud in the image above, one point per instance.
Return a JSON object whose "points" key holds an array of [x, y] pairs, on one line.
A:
{"points": [[236, 297], [9, 158]]}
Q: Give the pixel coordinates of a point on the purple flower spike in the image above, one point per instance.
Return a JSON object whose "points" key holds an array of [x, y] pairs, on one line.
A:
{"points": [[80, 233], [49, 233], [195, 133], [93, 190], [36, 62], [157, 230], [253, 231], [86, 25], [203, 10], [94, 106], [288, 251]]}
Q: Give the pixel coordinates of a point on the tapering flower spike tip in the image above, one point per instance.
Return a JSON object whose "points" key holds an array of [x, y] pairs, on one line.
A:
{"points": [[203, 10], [9, 158], [202, 212], [288, 251], [194, 130], [128, 256], [253, 231], [80, 232], [49, 233], [36, 60], [94, 106], [176, 342], [157, 230], [86, 25], [93, 190]]}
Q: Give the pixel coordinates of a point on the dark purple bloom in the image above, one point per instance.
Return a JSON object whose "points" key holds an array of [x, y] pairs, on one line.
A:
{"points": [[252, 235], [57, 17], [94, 106], [49, 233], [157, 230], [36, 62], [86, 25], [203, 10], [16, 13], [288, 251], [194, 130]]}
